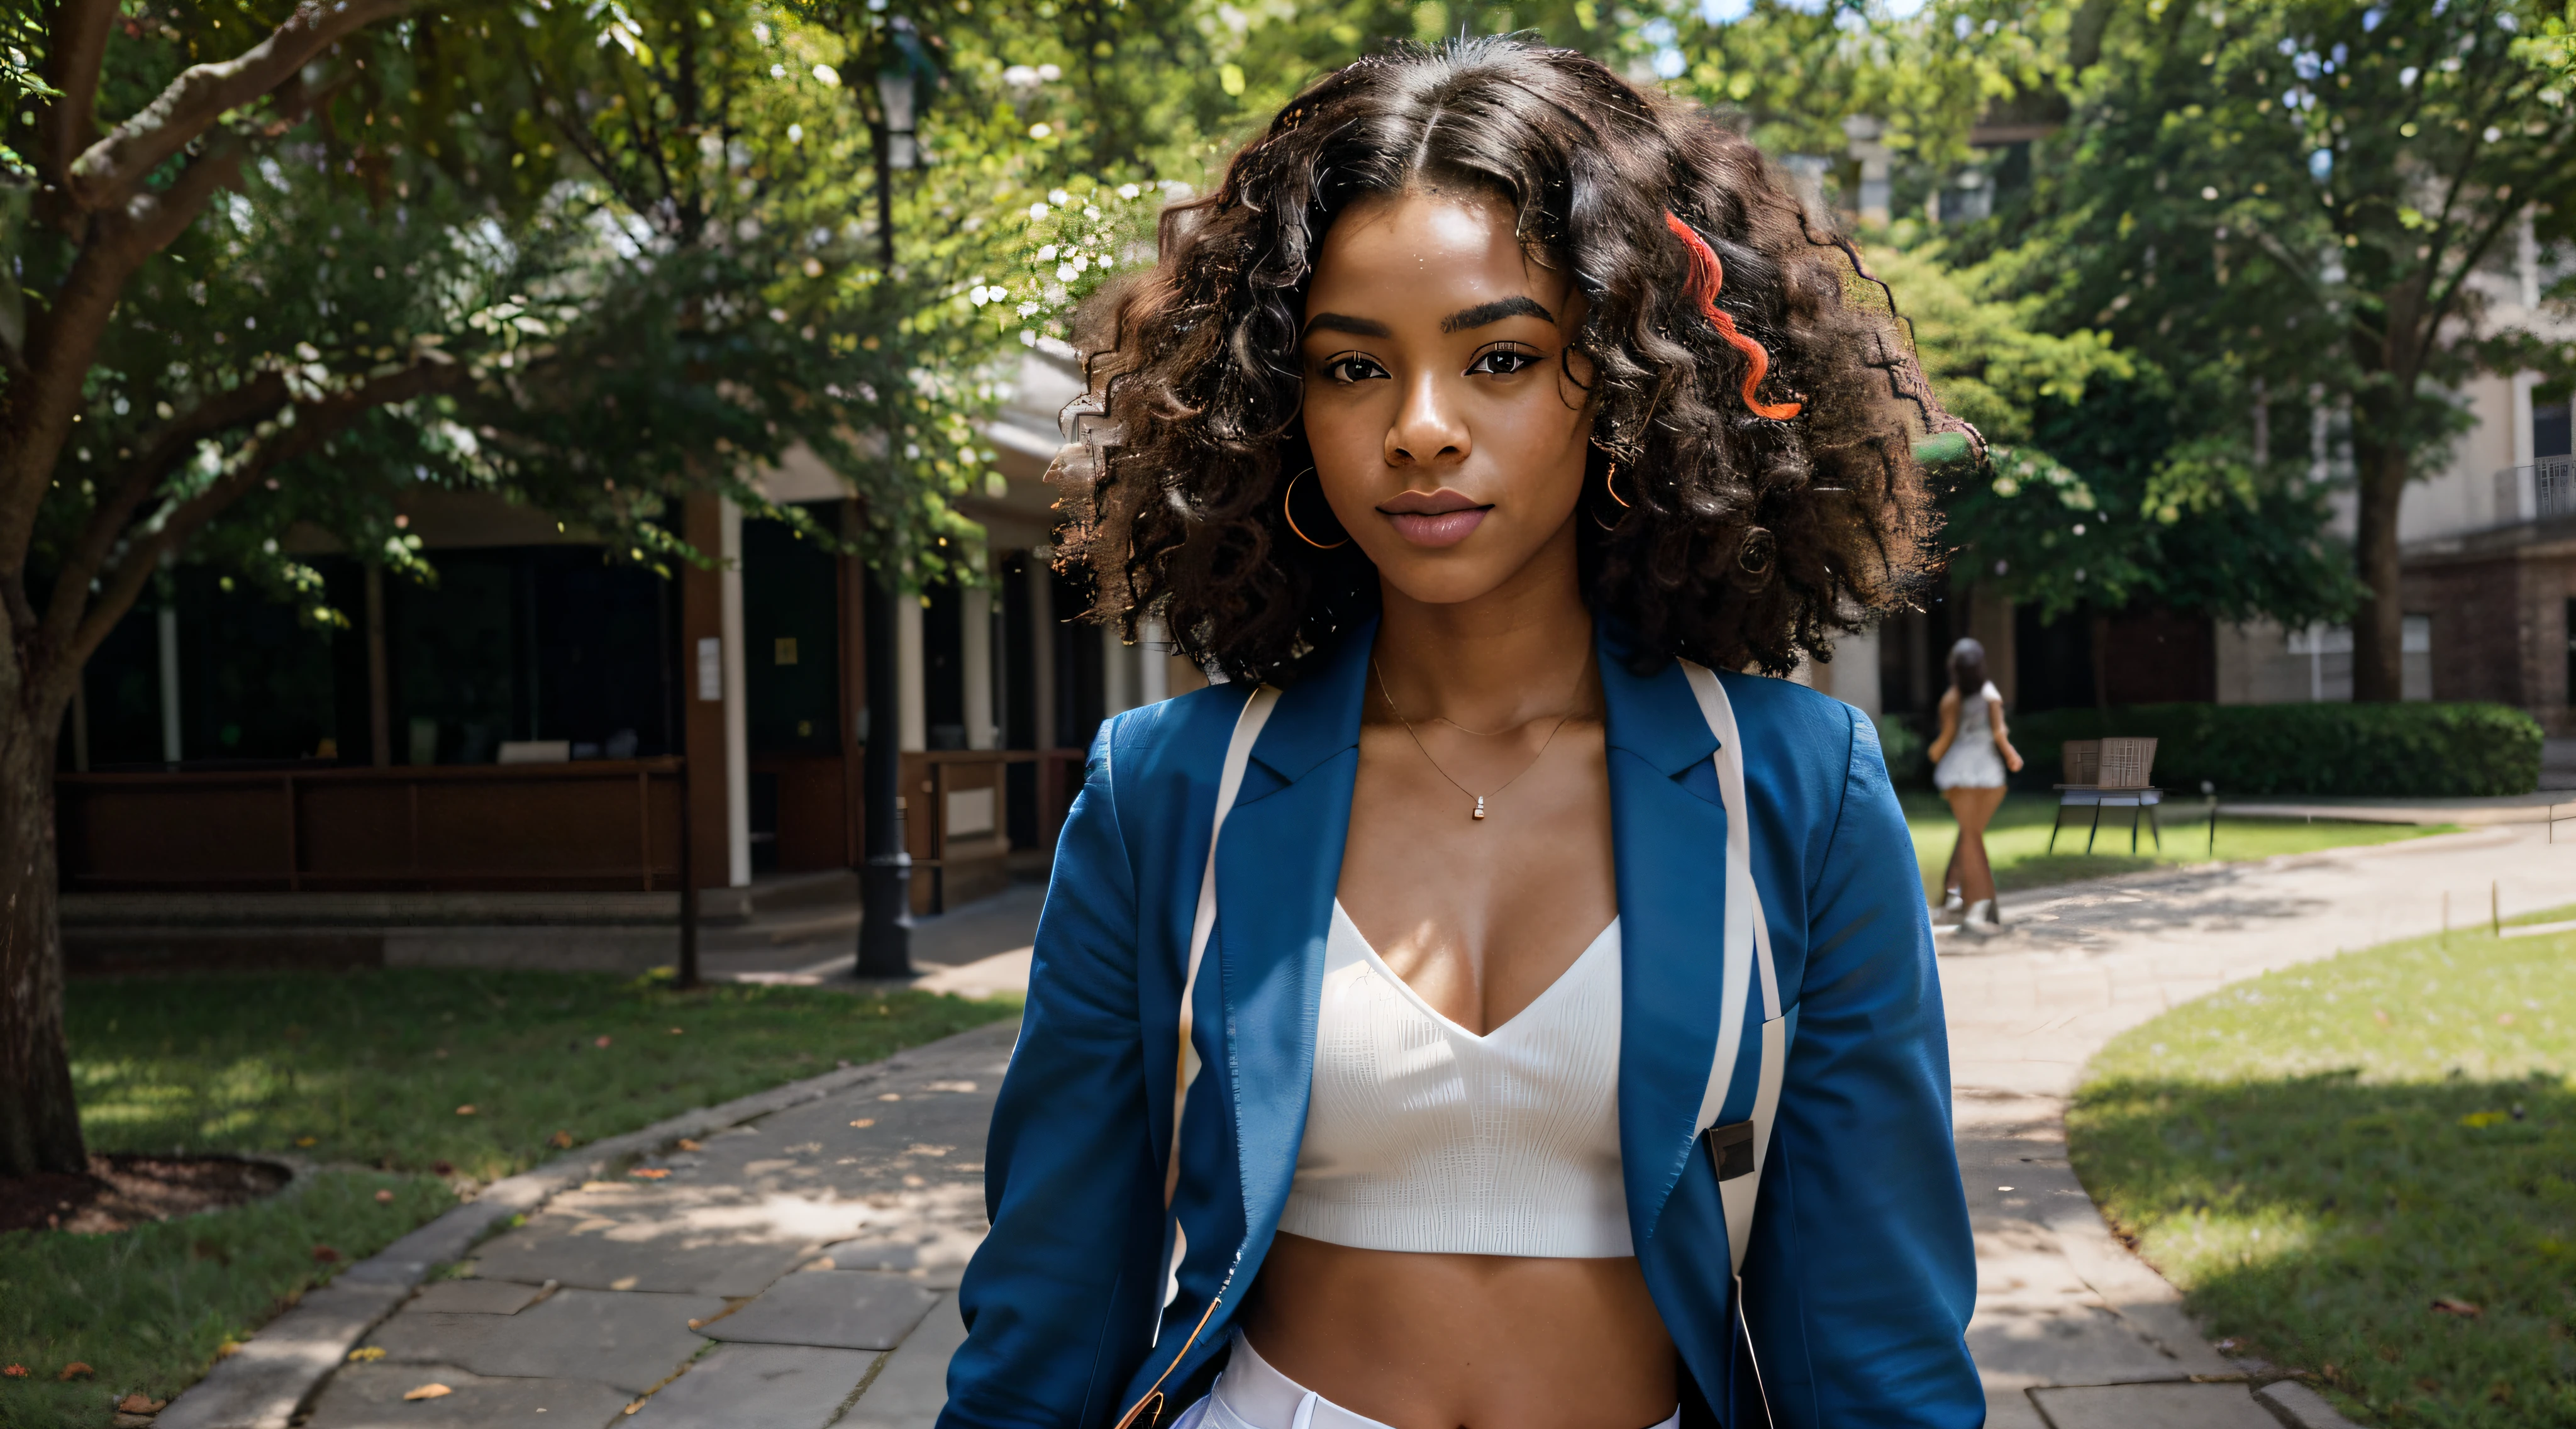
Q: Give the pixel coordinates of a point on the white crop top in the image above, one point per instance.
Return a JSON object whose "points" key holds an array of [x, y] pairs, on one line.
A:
{"points": [[1422, 1136]]}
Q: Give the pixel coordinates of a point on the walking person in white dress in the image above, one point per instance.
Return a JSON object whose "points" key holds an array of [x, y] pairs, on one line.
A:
{"points": [[1970, 760]]}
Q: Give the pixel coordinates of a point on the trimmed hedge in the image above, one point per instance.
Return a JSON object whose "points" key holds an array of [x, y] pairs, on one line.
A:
{"points": [[2415, 748]]}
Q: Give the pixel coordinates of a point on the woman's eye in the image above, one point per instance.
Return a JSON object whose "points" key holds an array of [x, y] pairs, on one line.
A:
{"points": [[1503, 362], [1352, 369]]}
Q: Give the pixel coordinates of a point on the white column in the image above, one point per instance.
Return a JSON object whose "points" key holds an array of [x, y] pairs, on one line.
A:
{"points": [[1042, 645], [1117, 673], [1855, 671], [2525, 493], [914, 726], [169, 618], [737, 718], [1153, 664], [975, 653]]}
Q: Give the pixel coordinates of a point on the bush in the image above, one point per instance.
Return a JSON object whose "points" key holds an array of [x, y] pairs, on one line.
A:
{"points": [[1903, 745], [2416, 748]]}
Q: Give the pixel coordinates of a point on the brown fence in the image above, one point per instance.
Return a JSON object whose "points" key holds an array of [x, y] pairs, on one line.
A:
{"points": [[603, 824]]}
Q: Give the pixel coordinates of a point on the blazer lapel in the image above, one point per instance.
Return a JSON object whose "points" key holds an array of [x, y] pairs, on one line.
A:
{"points": [[1276, 870], [1668, 836]]}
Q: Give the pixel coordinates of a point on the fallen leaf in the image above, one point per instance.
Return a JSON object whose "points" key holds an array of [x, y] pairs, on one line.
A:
{"points": [[15, 1371], [823, 1263], [307, 1140], [865, 1121], [139, 1403], [685, 1144], [227, 1349], [76, 1370], [890, 1097], [600, 1042], [561, 1140], [693, 1324], [2482, 1119], [384, 1198], [442, 1168], [649, 1173], [369, 1355], [638, 1404], [2447, 1306], [465, 1110], [325, 1254], [675, 1031], [428, 1391]]}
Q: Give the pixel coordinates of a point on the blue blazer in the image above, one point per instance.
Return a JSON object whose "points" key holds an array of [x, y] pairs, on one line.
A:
{"points": [[1860, 1274]]}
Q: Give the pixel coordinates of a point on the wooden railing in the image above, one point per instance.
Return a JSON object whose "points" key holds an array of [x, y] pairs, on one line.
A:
{"points": [[596, 824]]}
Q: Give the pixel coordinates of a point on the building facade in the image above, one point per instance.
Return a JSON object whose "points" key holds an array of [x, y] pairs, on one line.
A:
{"points": [[542, 719]]}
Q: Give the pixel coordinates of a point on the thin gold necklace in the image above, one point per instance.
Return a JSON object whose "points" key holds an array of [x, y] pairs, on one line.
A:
{"points": [[1388, 694]]}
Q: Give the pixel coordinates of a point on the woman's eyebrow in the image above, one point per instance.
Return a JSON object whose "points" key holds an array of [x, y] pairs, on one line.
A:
{"points": [[1495, 312], [1344, 322]]}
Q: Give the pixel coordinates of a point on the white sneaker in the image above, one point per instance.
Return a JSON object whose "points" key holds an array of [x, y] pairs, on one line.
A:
{"points": [[1953, 909], [1983, 915]]}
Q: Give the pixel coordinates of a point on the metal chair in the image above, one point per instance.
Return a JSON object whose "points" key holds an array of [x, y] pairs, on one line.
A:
{"points": [[2109, 774]]}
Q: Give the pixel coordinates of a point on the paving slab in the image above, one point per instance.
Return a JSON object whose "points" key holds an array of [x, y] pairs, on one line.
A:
{"points": [[630, 1339], [913, 1387], [846, 1309], [370, 1396], [2153, 1406], [759, 1387], [705, 1245], [476, 1297]]}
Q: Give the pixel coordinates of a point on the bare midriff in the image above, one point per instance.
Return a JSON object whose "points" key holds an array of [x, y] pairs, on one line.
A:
{"points": [[1431, 1341]]}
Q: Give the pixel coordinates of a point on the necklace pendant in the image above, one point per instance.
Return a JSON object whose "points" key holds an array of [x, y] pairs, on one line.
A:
{"points": [[1480, 807]]}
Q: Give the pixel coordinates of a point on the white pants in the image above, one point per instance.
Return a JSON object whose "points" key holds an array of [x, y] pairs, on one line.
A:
{"points": [[1249, 1394]]}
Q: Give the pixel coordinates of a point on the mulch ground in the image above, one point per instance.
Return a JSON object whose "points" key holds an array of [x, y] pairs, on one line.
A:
{"points": [[122, 1191]]}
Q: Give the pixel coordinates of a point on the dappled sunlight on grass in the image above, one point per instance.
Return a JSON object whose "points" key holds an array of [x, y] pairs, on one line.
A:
{"points": [[2017, 841], [379, 1067], [2361, 1168]]}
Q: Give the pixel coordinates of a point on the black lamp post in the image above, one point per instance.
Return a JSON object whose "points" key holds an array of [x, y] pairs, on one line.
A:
{"points": [[885, 929]]}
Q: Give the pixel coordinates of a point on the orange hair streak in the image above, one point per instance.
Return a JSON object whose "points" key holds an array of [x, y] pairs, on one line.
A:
{"points": [[1707, 276]]}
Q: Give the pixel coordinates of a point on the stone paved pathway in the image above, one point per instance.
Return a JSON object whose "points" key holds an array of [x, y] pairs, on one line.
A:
{"points": [[799, 1270], [787, 1273]]}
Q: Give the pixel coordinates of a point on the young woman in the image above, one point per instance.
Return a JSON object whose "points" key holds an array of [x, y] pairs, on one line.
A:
{"points": [[1969, 762], [1474, 1011]]}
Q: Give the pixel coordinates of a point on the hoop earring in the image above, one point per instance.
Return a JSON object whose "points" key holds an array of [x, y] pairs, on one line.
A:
{"points": [[1609, 483], [1285, 497]]}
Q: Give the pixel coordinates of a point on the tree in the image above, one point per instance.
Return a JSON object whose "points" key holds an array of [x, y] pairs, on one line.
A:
{"points": [[2089, 503], [591, 268], [2291, 204]]}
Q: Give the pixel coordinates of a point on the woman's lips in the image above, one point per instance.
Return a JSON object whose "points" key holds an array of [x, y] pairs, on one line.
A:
{"points": [[1434, 518], [1445, 528]]}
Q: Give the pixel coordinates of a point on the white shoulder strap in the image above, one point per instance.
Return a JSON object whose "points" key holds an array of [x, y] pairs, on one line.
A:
{"points": [[1238, 753], [1747, 950]]}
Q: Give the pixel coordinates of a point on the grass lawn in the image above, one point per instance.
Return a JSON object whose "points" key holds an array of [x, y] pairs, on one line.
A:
{"points": [[2364, 1169], [2017, 841], [382, 1077]]}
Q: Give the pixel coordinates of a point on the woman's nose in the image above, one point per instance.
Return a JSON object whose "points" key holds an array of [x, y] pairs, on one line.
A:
{"points": [[1429, 428]]}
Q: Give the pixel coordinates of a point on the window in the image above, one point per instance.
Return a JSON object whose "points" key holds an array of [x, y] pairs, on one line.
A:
{"points": [[2550, 425]]}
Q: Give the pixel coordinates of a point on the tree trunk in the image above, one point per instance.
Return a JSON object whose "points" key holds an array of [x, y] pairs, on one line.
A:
{"points": [[2379, 624], [39, 1120]]}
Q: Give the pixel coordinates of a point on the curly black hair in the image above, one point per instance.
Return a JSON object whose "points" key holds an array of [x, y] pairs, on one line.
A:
{"points": [[1729, 538]]}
